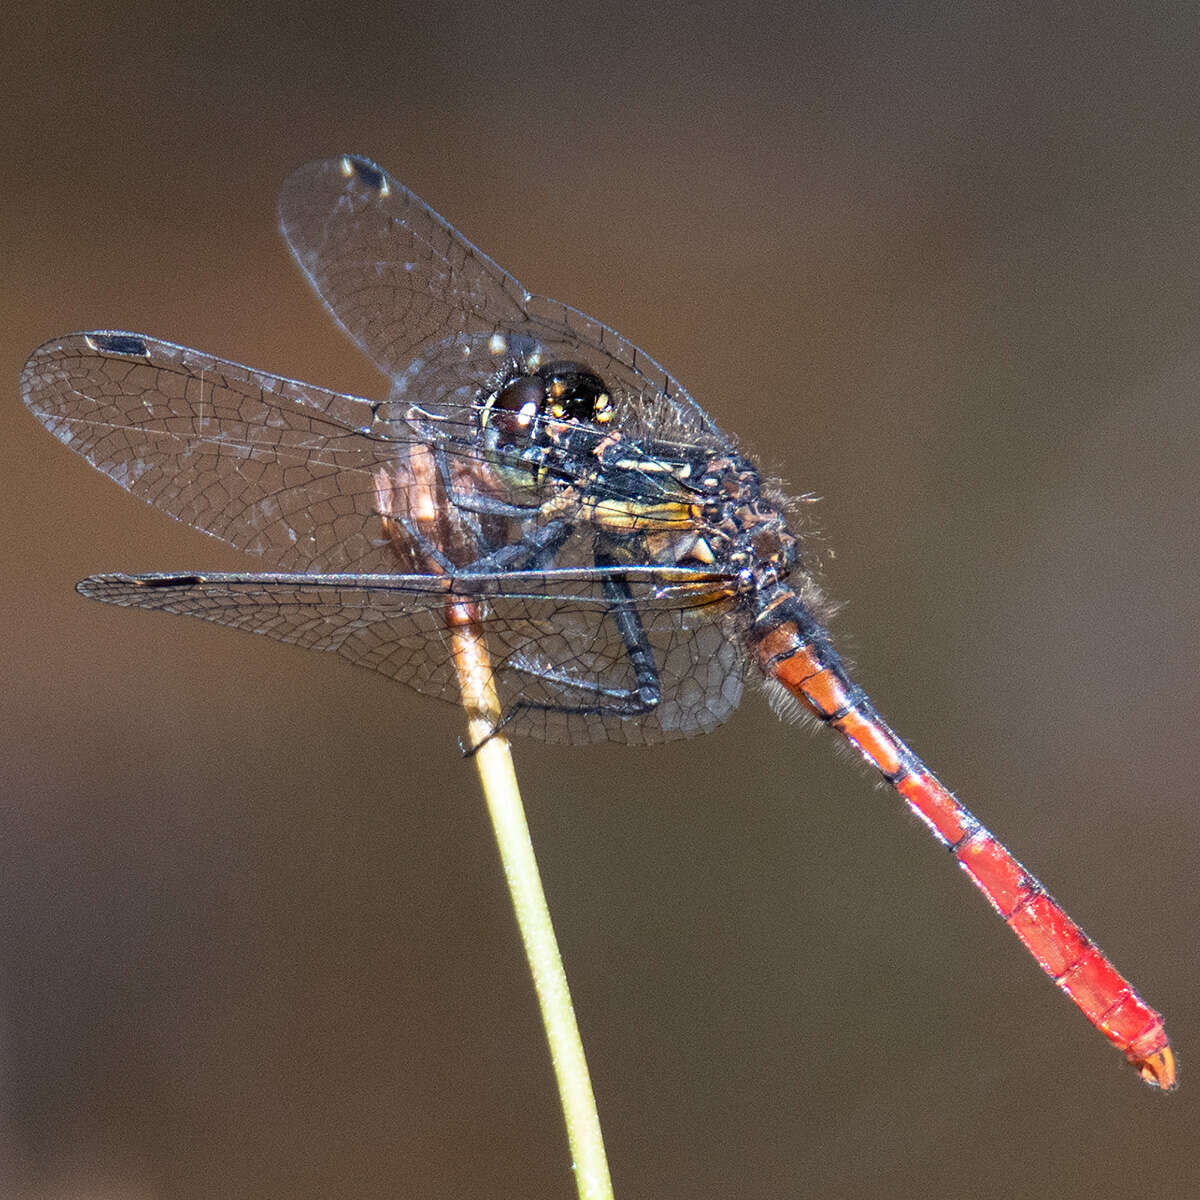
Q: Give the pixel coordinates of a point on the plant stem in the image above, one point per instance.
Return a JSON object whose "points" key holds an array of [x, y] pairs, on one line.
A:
{"points": [[498, 776]]}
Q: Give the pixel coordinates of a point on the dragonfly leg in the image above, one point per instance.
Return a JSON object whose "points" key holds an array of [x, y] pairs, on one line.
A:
{"points": [[475, 502], [534, 552], [634, 701], [428, 548]]}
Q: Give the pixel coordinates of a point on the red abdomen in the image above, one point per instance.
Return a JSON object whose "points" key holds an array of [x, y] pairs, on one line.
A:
{"points": [[795, 650]]}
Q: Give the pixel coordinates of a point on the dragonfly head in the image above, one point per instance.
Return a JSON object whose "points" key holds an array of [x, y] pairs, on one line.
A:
{"points": [[540, 407]]}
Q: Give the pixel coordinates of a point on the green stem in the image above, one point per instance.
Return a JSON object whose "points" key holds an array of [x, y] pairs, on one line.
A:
{"points": [[498, 776]]}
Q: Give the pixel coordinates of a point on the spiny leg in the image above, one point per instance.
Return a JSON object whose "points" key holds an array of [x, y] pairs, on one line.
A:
{"points": [[635, 701], [473, 501], [534, 552]]}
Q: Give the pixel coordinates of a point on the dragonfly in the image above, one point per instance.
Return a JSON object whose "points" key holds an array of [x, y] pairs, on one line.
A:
{"points": [[630, 567]]}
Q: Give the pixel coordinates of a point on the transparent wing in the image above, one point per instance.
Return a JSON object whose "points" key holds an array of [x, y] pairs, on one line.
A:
{"points": [[406, 285], [273, 466], [344, 488], [550, 635], [314, 480], [270, 465]]}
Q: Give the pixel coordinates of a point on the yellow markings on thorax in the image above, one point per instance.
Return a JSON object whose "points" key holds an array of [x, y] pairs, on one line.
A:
{"points": [[633, 516]]}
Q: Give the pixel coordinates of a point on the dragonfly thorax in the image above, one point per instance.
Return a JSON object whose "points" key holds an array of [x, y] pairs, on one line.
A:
{"points": [[747, 529]]}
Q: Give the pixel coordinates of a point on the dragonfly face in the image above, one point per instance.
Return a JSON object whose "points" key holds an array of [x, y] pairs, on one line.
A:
{"points": [[530, 405], [624, 560], [539, 420]]}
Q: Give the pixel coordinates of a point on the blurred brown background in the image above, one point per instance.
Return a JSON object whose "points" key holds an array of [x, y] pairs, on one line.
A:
{"points": [[938, 264]]}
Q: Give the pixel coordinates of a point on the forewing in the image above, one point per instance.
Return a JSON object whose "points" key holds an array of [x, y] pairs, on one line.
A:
{"points": [[560, 620], [405, 285], [270, 465], [336, 487]]}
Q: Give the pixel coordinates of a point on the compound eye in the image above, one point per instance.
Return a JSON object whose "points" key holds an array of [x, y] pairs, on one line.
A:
{"points": [[515, 410], [573, 393]]}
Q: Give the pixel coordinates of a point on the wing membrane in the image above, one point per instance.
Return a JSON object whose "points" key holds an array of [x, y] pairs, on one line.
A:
{"points": [[402, 281], [396, 625], [273, 466], [336, 491]]}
